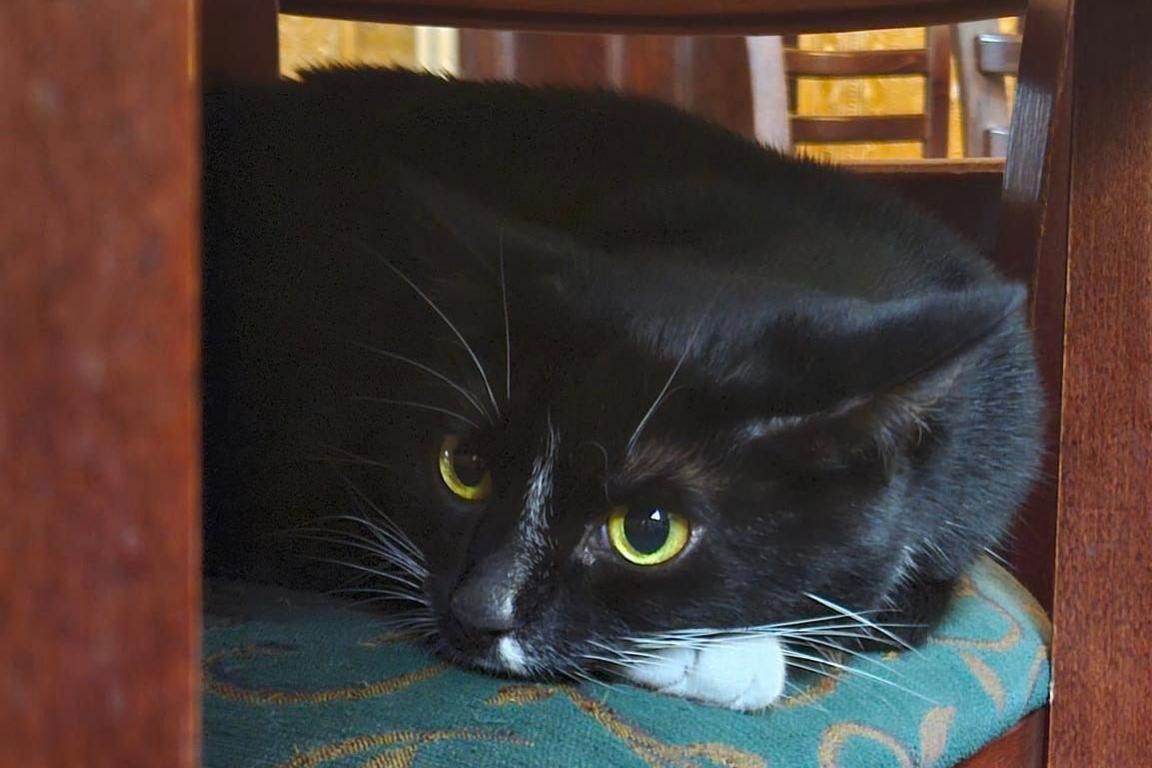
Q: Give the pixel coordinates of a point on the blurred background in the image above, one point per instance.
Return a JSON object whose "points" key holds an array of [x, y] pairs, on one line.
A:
{"points": [[880, 95]]}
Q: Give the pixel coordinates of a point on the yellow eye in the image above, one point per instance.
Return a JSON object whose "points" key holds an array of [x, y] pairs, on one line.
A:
{"points": [[647, 536], [464, 471]]}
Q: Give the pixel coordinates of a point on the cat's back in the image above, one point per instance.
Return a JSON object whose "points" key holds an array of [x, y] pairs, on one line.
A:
{"points": [[622, 174]]}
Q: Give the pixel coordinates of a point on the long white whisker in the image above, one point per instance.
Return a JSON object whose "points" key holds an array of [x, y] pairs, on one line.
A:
{"points": [[855, 635], [405, 555], [507, 330], [431, 372], [857, 654], [656, 403], [436, 308], [398, 594], [392, 531], [858, 617], [761, 627], [792, 654], [421, 406], [396, 577]]}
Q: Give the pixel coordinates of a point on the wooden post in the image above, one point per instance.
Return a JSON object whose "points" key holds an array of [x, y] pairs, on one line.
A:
{"points": [[1103, 582], [99, 411]]}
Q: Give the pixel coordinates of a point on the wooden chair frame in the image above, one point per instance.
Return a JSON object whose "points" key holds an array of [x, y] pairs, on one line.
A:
{"points": [[99, 396]]}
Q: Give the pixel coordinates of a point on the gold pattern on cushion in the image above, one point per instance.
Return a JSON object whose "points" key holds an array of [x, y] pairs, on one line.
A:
{"points": [[988, 678], [837, 734], [1039, 660], [233, 692], [406, 746], [656, 753], [815, 692], [934, 734], [1005, 642]]}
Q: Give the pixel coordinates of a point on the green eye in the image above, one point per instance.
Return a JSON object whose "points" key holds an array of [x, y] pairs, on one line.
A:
{"points": [[647, 536], [464, 471]]}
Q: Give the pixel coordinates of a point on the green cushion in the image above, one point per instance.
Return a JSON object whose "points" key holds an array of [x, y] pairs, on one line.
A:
{"points": [[296, 680]]}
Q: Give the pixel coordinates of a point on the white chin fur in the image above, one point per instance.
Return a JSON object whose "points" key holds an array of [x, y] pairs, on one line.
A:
{"points": [[741, 673], [512, 655]]}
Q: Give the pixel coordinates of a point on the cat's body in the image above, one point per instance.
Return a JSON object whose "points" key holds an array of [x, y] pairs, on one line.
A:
{"points": [[623, 307]]}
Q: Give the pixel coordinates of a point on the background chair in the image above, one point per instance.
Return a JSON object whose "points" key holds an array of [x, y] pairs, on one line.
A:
{"points": [[99, 552], [985, 57], [932, 62]]}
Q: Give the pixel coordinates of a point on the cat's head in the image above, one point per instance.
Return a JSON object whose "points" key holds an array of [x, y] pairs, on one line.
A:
{"points": [[594, 450]]}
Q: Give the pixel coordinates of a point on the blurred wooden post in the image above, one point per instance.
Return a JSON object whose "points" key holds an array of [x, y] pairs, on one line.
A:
{"points": [[99, 407]]}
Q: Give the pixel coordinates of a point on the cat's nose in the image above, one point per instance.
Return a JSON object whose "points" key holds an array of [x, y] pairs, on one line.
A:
{"points": [[486, 599]]}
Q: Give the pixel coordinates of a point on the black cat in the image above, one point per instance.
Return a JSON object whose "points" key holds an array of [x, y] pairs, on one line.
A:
{"points": [[594, 385]]}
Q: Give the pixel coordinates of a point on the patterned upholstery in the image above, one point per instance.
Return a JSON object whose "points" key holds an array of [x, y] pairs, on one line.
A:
{"points": [[297, 681]]}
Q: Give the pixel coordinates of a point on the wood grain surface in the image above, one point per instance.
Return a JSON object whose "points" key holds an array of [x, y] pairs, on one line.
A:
{"points": [[99, 451], [239, 40], [1021, 747], [1032, 246], [1103, 586], [669, 16]]}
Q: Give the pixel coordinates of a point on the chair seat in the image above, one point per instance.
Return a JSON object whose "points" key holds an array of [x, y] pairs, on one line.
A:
{"points": [[293, 679]]}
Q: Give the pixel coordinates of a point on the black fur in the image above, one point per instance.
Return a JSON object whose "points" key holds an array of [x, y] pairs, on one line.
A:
{"points": [[854, 413]]}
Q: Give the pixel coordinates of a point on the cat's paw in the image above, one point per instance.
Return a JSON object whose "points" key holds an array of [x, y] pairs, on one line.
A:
{"points": [[741, 673]]}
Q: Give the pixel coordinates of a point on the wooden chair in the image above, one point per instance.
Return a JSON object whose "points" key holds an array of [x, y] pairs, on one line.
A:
{"points": [[706, 75], [99, 577], [932, 63], [984, 57], [732, 82]]}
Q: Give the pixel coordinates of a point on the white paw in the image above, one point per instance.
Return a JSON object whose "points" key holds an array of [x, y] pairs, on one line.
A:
{"points": [[738, 673]]}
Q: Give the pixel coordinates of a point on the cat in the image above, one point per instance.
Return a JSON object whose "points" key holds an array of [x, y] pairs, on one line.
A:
{"points": [[592, 386]]}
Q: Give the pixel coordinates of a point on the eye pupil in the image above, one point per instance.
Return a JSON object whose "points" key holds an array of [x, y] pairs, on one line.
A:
{"points": [[463, 470], [647, 531], [647, 535], [469, 467]]}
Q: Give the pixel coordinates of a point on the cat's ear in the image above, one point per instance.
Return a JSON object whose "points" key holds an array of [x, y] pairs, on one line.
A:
{"points": [[878, 370], [842, 349]]}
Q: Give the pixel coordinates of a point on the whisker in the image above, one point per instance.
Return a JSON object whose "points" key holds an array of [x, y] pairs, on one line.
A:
{"points": [[393, 530], [391, 534], [507, 331], [858, 617], [765, 627], [857, 654], [421, 406], [792, 654], [436, 308], [404, 553], [656, 403], [432, 372], [396, 577], [375, 572], [854, 635]]}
